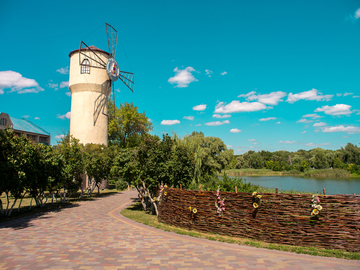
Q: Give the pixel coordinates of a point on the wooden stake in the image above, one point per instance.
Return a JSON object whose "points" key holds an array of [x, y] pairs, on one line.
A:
{"points": [[276, 190], [180, 187], [324, 191], [200, 187], [235, 189]]}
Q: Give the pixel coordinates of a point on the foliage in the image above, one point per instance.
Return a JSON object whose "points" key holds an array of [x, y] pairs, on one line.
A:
{"points": [[97, 162], [152, 163], [70, 150], [210, 154], [121, 185], [127, 128]]}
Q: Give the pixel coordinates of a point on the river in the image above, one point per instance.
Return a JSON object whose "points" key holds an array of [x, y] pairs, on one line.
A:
{"points": [[331, 185]]}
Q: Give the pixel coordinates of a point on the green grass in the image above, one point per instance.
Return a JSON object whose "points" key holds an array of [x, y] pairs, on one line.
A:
{"points": [[248, 172], [136, 213], [327, 173], [24, 209]]}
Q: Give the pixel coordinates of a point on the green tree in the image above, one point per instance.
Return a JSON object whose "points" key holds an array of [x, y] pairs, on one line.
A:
{"points": [[97, 164], [127, 128], [70, 150], [12, 166], [210, 154]]}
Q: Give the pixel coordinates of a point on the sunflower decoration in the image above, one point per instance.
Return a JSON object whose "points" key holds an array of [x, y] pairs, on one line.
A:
{"points": [[194, 210], [256, 200], [315, 204]]}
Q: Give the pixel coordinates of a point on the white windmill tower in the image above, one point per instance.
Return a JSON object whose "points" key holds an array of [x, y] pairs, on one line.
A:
{"points": [[92, 76]]}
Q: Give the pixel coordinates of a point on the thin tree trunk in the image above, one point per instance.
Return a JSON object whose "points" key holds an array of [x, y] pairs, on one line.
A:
{"points": [[12, 207], [1, 208], [141, 198], [151, 200], [31, 203], [7, 205], [21, 201]]}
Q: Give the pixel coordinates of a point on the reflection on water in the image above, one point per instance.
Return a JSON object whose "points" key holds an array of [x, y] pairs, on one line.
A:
{"points": [[331, 185]]}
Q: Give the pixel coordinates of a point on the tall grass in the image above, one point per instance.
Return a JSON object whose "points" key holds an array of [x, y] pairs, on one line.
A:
{"points": [[242, 172], [327, 173]]}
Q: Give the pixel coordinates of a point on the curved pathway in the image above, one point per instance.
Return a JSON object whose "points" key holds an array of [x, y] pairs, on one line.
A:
{"points": [[93, 235]]}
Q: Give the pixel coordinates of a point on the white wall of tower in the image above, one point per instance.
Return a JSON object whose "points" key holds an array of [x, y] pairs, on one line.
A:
{"points": [[85, 90]]}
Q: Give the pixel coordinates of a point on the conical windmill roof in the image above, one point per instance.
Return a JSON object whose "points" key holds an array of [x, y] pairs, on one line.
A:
{"points": [[93, 48]]}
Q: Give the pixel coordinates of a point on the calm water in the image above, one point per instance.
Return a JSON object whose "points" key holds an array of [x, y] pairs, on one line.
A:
{"points": [[331, 185]]}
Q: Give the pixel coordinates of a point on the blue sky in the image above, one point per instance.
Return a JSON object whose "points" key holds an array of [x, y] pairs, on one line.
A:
{"points": [[261, 75]]}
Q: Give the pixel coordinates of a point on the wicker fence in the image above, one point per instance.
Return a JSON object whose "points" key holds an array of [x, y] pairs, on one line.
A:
{"points": [[281, 218]]}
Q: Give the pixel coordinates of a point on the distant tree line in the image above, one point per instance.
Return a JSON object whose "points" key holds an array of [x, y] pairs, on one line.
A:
{"points": [[344, 158]]}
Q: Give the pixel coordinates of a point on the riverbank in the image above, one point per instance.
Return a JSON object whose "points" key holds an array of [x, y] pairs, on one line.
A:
{"points": [[309, 173]]}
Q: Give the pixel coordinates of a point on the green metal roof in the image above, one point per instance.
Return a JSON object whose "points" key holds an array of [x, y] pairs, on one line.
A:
{"points": [[26, 125]]}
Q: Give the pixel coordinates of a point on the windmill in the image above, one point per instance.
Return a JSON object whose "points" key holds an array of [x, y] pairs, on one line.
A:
{"points": [[111, 67], [92, 75]]}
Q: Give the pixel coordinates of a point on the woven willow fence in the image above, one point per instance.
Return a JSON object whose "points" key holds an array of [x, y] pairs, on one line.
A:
{"points": [[281, 218]]}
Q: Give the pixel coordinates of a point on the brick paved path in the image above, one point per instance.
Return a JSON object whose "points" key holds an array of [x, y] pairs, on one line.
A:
{"points": [[93, 235]]}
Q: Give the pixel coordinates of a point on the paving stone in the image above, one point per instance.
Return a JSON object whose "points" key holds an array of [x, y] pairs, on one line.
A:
{"points": [[92, 235]]}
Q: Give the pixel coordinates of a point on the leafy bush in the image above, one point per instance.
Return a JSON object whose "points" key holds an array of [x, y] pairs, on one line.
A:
{"points": [[121, 184]]}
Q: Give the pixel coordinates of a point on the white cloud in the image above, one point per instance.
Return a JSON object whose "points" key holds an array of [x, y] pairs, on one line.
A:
{"points": [[338, 109], [316, 130], [235, 130], [315, 144], [68, 94], [338, 94], [208, 72], [321, 124], [59, 136], [198, 125], [169, 122], [201, 107], [271, 99], [67, 115], [312, 94], [221, 116], [53, 85], [278, 122], [251, 140], [25, 116], [248, 94], [228, 146], [287, 142], [357, 14], [268, 119], [37, 118], [312, 115], [182, 77], [17, 83], [348, 94], [63, 70], [304, 121], [189, 117], [217, 123], [64, 84], [223, 73], [356, 96], [236, 106], [303, 132], [341, 128]]}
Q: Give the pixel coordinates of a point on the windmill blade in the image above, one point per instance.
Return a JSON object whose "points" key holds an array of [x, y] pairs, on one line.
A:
{"points": [[85, 52], [112, 35], [128, 79], [101, 101]]}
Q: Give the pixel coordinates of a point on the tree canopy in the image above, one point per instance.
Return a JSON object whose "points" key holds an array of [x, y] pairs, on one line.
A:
{"points": [[126, 129]]}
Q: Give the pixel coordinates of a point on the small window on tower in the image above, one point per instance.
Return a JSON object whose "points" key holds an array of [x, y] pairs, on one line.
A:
{"points": [[85, 67]]}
